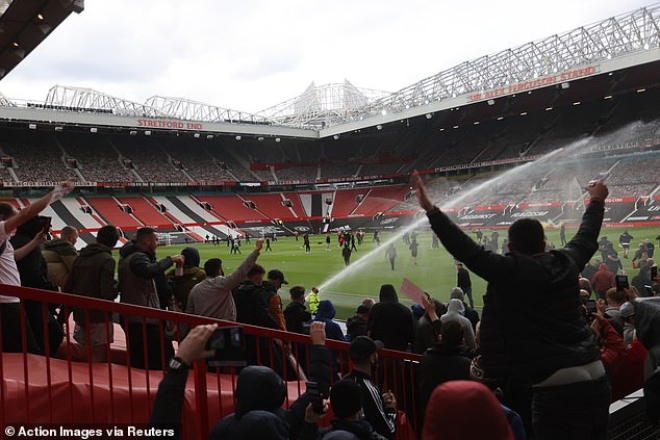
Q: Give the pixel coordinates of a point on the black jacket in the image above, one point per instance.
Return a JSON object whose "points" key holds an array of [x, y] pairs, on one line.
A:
{"points": [[391, 322], [249, 420], [532, 321], [383, 420], [297, 318], [440, 364], [252, 306]]}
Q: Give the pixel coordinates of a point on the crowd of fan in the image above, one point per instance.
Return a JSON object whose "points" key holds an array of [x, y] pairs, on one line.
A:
{"points": [[371, 397]]}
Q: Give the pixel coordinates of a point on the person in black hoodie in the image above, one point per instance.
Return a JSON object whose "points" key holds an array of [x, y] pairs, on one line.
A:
{"points": [[448, 359], [391, 322], [259, 394]]}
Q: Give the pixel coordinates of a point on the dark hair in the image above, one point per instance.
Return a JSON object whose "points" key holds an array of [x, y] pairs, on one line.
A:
{"points": [[526, 236], [143, 232], [452, 333], [6, 210], [107, 236], [297, 291], [257, 269], [212, 267]]}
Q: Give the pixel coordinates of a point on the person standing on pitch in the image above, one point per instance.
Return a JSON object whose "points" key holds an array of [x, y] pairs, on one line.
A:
{"points": [[532, 297], [464, 282], [390, 253]]}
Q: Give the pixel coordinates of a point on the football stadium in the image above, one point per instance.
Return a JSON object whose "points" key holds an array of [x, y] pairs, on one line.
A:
{"points": [[327, 191]]}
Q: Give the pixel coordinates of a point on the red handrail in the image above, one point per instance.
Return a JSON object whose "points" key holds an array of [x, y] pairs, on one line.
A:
{"points": [[131, 390]]}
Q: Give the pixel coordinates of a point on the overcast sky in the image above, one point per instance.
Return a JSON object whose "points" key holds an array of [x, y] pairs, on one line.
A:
{"points": [[253, 54]]}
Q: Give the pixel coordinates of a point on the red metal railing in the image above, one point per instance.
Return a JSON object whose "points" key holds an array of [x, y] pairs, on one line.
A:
{"points": [[63, 387]]}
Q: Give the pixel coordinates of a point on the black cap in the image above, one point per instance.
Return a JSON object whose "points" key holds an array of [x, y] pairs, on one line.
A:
{"points": [[276, 274], [362, 347]]}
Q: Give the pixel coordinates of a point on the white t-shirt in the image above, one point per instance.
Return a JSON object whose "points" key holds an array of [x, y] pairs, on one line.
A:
{"points": [[8, 270]]}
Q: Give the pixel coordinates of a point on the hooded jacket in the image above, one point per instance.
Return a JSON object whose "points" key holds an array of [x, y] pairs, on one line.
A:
{"points": [[258, 412], [60, 256], [603, 279], [259, 390], [391, 322], [326, 313], [93, 275], [455, 310], [453, 408], [532, 321]]}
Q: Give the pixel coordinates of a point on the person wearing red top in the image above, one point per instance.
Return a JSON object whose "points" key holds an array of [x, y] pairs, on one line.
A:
{"points": [[602, 280]]}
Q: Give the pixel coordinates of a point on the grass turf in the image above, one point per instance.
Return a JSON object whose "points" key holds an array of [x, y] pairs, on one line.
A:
{"points": [[369, 269]]}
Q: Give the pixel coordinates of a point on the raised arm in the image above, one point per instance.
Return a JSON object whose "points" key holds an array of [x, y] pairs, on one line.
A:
{"points": [[35, 208]]}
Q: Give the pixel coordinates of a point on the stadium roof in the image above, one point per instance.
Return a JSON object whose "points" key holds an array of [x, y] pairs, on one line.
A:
{"points": [[612, 45], [24, 24]]}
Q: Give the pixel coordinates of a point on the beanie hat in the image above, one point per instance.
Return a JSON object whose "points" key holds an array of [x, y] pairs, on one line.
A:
{"points": [[345, 398], [479, 374]]}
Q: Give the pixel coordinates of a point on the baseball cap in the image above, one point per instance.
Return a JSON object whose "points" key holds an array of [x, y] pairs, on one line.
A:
{"points": [[362, 347], [276, 274]]}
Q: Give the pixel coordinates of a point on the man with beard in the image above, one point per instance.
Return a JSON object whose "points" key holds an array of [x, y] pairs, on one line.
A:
{"points": [[142, 283], [379, 408]]}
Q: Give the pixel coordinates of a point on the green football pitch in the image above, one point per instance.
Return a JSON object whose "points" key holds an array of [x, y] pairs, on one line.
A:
{"points": [[347, 286]]}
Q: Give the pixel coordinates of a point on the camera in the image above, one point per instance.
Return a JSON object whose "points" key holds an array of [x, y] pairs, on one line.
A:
{"points": [[315, 397], [229, 347], [622, 282], [590, 306]]}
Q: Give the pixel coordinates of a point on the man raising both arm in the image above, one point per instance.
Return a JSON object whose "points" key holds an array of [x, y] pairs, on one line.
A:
{"points": [[532, 325]]}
